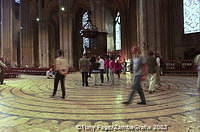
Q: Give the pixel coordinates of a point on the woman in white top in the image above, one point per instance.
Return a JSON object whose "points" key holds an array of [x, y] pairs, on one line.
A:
{"points": [[101, 68]]}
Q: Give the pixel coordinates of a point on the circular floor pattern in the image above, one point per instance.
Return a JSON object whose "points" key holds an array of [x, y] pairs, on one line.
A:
{"points": [[28, 101]]}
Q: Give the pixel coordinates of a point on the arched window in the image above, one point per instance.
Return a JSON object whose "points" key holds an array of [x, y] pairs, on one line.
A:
{"points": [[117, 32], [86, 41], [191, 16]]}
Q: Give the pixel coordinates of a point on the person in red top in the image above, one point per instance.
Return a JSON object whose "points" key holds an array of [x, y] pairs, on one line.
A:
{"points": [[106, 66], [118, 68]]}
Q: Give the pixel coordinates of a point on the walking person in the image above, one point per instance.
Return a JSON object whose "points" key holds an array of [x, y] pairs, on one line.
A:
{"points": [[197, 62], [138, 63], [101, 68], [61, 71], [84, 66], [158, 70], [151, 63], [2, 70]]}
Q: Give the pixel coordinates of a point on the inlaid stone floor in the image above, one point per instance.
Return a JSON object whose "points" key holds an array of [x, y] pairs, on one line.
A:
{"points": [[26, 106]]}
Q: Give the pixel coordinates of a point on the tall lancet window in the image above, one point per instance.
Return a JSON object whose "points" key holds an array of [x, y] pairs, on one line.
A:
{"points": [[117, 32], [86, 41], [191, 16]]}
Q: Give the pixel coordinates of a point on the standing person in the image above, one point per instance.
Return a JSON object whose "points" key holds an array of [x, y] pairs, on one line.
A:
{"points": [[162, 66], [92, 61], [151, 63], [95, 70], [138, 63], [197, 62], [158, 69], [84, 65], [101, 68], [2, 70], [118, 68], [106, 65], [61, 71], [112, 70], [124, 66]]}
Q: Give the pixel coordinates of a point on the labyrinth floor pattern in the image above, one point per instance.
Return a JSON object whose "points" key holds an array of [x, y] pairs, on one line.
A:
{"points": [[26, 106]]}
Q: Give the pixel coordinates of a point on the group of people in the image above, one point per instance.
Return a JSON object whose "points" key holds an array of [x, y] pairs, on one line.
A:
{"points": [[143, 67], [109, 65]]}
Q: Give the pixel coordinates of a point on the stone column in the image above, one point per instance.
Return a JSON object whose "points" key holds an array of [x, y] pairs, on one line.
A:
{"points": [[132, 28], [43, 36], [142, 25], [125, 31], [66, 27], [98, 14], [7, 15], [26, 33], [148, 22], [158, 32], [164, 28]]}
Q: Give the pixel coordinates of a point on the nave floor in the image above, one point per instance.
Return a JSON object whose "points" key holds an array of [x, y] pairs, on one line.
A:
{"points": [[26, 106]]}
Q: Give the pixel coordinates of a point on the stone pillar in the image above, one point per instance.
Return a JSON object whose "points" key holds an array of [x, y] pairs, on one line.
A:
{"points": [[148, 22], [125, 31], [7, 15], [164, 28], [0, 24], [66, 26], [26, 33], [98, 14], [132, 28], [158, 32], [142, 25], [43, 36]]}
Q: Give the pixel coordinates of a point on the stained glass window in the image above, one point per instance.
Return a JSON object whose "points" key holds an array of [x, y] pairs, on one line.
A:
{"points": [[117, 32], [17, 1], [86, 41], [191, 16]]}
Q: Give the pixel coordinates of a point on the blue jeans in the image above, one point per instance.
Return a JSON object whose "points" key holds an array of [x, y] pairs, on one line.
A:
{"points": [[136, 87]]}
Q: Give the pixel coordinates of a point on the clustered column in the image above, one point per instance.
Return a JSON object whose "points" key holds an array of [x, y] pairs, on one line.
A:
{"points": [[66, 26], [43, 36], [26, 41], [7, 15]]}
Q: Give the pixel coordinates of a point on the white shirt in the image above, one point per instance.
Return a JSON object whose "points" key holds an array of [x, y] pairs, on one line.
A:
{"points": [[101, 61], [197, 60], [158, 61]]}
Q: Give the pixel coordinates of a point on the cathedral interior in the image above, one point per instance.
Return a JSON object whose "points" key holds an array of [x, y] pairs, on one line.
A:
{"points": [[31, 32]]}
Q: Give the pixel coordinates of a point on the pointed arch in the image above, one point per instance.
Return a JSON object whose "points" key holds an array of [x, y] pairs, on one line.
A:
{"points": [[117, 32]]}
